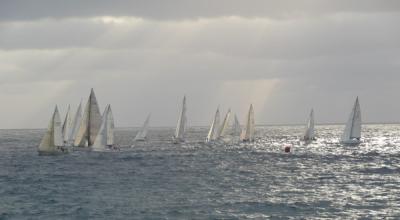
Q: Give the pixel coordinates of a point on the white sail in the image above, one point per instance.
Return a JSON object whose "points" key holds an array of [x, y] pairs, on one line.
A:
{"points": [[225, 124], [181, 125], [53, 137], [248, 130], [90, 123], [310, 133], [67, 127], [142, 134], [236, 129], [352, 130], [105, 136], [213, 132], [76, 123]]}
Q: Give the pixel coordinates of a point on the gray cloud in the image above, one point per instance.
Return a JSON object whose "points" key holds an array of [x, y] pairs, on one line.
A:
{"points": [[285, 58], [183, 9]]}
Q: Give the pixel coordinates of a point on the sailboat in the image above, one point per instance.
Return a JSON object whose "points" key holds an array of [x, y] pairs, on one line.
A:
{"points": [[309, 134], [76, 123], [142, 134], [236, 129], [352, 132], [248, 131], [213, 132], [181, 125], [67, 127], [225, 124], [105, 137], [52, 141], [90, 124]]}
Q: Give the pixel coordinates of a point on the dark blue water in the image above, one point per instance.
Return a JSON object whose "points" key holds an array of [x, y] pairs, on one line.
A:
{"points": [[159, 180]]}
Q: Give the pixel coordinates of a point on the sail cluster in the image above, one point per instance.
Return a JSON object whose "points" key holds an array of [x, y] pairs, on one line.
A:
{"points": [[90, 129]]}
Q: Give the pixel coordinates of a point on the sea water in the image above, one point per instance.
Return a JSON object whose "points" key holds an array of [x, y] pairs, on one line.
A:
{"points": [[160, 180]]}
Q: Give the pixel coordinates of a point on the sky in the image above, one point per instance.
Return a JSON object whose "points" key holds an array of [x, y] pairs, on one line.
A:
{"points": [[142, 56]]}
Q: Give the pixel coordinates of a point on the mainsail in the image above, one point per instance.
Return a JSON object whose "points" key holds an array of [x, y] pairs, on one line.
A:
{"points": [[213, 132], [353, 126], [225, 124], [309, 133], [236, 129], [105, 136], [53, 137], [181, 125], [76, 122], [142, 134], [248, 130], [90, 123], [67, 127]]}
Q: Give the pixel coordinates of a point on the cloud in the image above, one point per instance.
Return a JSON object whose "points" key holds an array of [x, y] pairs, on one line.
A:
{"points": [[284, 59], [183, 9]]}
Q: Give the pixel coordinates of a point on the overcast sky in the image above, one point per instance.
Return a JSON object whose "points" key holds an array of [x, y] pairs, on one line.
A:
{"points": [[142, 56]]}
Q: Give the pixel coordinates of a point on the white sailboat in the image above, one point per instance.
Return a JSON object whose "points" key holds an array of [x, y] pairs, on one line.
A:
{"points": [[236, 128], [213, 132], [76, 123], [52, 141], [309, 134], [142, 134], [105, 137], [181, 125], [225, 124], [248, 131], [67, 127], [90, 124], [352, 132]]}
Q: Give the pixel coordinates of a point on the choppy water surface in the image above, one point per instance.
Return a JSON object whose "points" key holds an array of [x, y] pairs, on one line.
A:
{"points": [[159, 180]]}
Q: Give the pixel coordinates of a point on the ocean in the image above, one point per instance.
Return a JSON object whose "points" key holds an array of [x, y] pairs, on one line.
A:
{"points": [[160, 180]]}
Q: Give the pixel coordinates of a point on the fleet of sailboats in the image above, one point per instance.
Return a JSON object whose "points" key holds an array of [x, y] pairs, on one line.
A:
{"points": [[95, 131]]}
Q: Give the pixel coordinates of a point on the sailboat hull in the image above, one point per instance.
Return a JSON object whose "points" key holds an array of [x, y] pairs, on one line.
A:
{"points": [[177, 140], [140, 139], [59, 151], [351, 142]]}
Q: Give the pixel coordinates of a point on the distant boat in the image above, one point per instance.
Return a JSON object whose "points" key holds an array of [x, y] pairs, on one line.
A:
{"points": [[67, 127], [76, 123], [214, 128], [90, 124], [309, 134], [52, 141], [105, 137], [181, 125], [142, 134], [352, 132], [224, 126], [236, 128], [248, 131]]}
